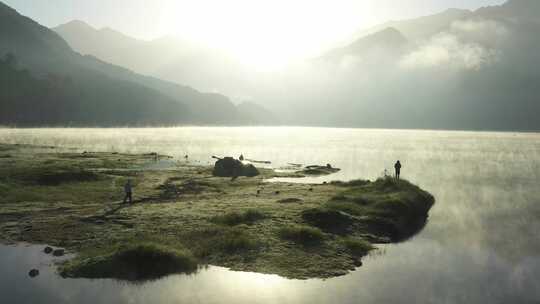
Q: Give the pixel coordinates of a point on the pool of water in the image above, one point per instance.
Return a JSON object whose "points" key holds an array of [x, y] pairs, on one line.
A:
{"points": [[480, 245]]}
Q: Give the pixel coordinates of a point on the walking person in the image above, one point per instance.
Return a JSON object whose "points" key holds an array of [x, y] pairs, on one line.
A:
{"points": [[397, 167], [128, 189]]}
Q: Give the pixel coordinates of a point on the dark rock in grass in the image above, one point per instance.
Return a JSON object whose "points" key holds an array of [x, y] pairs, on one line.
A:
{"points": [[136, 262], [58, 252], [328, 220], [47, 250], [290, 200], [230, 167], [33, 273]]}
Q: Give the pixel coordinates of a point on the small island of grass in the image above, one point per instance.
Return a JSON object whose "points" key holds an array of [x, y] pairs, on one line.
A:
{"points": [[184, 216]]}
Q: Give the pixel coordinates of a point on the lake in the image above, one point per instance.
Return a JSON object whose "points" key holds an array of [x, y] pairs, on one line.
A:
{"points": [[480, 245]]}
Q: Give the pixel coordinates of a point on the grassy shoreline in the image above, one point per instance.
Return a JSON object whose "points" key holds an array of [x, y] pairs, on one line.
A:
{"points": [[184, 216]]}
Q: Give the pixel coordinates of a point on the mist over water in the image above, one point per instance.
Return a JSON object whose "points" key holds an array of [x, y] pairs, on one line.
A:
{"points": [[480, 244]]}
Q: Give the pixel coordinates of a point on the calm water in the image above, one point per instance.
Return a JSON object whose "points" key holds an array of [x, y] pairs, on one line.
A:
{"points": [[481, 244]]}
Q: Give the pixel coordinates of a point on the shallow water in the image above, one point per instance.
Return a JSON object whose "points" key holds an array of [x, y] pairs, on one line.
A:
{"points": [[480, 245]]}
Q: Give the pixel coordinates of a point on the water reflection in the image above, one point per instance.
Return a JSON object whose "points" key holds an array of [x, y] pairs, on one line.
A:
{"points": [[480, 245]]}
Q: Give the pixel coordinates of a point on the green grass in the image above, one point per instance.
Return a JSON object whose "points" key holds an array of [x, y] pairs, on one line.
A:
{"points": [[221, 240], [132, 262], [347, 207], [304, 235], [357, 247], [389, 207], [353, 183], [234, 218], [48, 175]]}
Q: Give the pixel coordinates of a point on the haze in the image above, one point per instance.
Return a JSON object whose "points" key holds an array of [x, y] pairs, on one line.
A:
{"points": [[264, 35], [439, 65]]}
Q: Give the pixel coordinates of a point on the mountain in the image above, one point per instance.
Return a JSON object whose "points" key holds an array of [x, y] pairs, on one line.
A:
{"points": [[388, 40], [420, 28], [26, 100], [472, 70], [166, 58], [114, 47], [258, 114], [512, 10], [134, 99], [469, 70]]}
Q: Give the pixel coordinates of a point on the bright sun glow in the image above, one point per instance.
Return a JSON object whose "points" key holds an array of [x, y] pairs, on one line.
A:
{"points": [[264, 34]]}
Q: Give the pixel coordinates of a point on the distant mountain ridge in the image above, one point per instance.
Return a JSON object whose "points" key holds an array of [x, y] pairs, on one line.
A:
{"points": [[422, 27], [166, 58], [388, 40]]}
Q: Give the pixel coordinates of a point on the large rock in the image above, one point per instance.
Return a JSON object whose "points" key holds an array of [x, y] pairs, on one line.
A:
{"points": [[230, 167]]}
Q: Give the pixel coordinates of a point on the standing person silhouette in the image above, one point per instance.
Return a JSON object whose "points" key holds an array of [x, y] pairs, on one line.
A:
{"points": [[397, 166], [128, 188]]}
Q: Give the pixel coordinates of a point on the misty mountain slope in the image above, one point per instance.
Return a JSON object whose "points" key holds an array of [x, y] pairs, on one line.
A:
{"points": [[92, 100], [258, 114], [114, 47], [204, 108], [389, 41], [422, 27], [513, 10], [476, 73], [166, 58]]}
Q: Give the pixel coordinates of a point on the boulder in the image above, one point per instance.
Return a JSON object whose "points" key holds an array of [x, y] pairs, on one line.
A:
{"points": [[33, 273], [230, 167]]}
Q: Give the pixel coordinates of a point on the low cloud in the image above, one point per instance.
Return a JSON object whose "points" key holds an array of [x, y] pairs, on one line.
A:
{"points": [[469, 44]]}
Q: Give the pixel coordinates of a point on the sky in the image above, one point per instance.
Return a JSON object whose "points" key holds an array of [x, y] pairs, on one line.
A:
{"points": [[252, 29]]}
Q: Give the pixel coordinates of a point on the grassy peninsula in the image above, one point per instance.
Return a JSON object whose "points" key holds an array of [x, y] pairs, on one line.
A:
{"points": [[184, 217]]}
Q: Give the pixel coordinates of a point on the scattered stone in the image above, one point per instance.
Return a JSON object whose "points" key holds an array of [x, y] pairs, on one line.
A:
{"points": [[33, 273], [48, 250]]}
